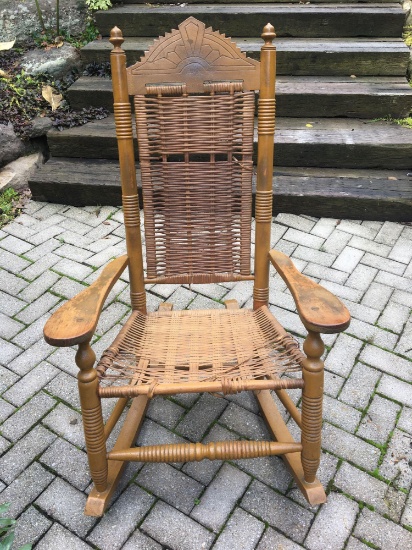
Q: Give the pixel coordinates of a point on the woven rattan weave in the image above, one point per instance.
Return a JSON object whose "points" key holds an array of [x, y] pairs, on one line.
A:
{"points": [[197, 346], [196, 166]]}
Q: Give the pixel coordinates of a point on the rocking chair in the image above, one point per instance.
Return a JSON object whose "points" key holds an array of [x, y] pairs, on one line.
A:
{"points": [[194, 102]]}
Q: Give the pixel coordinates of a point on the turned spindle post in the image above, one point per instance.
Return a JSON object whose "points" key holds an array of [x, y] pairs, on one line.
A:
{"points": [[312, 397], [92, 415]]}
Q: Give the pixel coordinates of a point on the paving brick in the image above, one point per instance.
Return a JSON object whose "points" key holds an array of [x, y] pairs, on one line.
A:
{"points": [[286, 247], [31, 383], [6, 409], [10, 305], [370, 246], [372, 334], [7, 378], [214, 291], [401, 252], [67, 287], [72, 269], [23, 452], [396, 464], [387, 362], [242, 532], [407, 514], [241, 292], [395, 389], [303, 238], [30, 357], [68, 462], [220, 497], [175, 530], [277, 510], [316, 256], [348, 259], [31, 526], [45, 234], [181, 298], [244, 422], [383, 263], [354, 228], [370, 490], [32, 333], [333, 524], [389, 279], [37, 308], [389, 233], [110, 316], [343, 355], [361, 277], [349, 447], [26, 488], [290, 321], [340, 414], [379, 420], [39, 266], [273, 540], [297, 222], [67, 423], [205, 411], [327, 273], [405, 420], [65, 387], [383, 533], [28, 415], [404, 345], [165, 412], [359, 386], [40, 251], [66, 504], [9, 327], [105, 256], [336, 242], [333, 383], [154, 434], [59, 537], [8, 352], [140, 541], [203, 302], [15, 246], [64, 359], [121, 519], [394, 317], [12, 262], [362, 312], [39, 286], [355, 544], [171, 485]]}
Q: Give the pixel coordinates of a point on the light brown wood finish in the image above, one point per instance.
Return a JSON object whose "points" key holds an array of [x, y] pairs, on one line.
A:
{"points": [[313, 492], [319, 309], [263, 201], [75, 322]]}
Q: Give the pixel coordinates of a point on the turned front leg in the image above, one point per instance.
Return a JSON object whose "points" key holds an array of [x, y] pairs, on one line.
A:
{"points": [[92, 416], [312, 405]]}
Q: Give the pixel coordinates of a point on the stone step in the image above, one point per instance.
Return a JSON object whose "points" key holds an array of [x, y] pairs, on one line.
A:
{"points": [[327, 142], [354, 194], [293, 20], [362, 97], [296, 56], [252, 2]]}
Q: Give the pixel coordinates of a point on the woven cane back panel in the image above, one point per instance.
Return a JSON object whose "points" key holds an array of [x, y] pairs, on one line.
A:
{"points": [[196, 166]]}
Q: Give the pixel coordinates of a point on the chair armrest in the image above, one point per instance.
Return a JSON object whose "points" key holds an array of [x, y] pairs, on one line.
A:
{"points": [[319, 309], [75, 322]]}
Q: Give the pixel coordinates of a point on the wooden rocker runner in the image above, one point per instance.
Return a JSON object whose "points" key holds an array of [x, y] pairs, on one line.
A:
{"points": [[194, 102]]}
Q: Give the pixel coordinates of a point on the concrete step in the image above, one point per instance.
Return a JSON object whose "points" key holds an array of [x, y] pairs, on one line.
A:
{"points": [[326, 142], [361, 97], [293, 20], [296, 56], [354, 194]]}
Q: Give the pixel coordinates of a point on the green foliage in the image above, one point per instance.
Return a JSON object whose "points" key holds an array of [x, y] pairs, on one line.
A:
{"points": [[95, 5], [7, 526], [8, 200], [407, 35]]}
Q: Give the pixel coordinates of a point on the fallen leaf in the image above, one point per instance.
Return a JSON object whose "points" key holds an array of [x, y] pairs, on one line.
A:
{"points": [[392, 178], [3, 73], [7, 45], [51, 97], [353, 75], [309, 125], [59, 44], [106, 223]]}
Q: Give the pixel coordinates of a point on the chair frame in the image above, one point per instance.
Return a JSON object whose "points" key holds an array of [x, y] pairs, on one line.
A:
{"points": [[321, 312]]}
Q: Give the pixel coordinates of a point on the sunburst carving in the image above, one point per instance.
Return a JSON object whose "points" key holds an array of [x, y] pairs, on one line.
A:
{"points": [[193, 54]]}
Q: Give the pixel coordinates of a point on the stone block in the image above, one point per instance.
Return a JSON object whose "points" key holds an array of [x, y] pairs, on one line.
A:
{"points": [[396, 463], [59, 537], [67, 423], [174, 530], [387, 362], [31, 526], [165, 412], [140, 541], [37, 308], [31, 357], [245, 423], [333, 524], [28, 415], [381, 532], [379, 420], [341, 415], [349, 447], [242, 532], [201, 416], [342, 356], [68, 462], [394, 317], [274, 540]]}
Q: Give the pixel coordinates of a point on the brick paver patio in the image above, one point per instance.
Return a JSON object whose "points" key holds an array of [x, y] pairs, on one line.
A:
{"points": [[51, 252]]}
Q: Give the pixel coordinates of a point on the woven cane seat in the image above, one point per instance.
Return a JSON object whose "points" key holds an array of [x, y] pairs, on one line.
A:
{"points": [[199, 346]]}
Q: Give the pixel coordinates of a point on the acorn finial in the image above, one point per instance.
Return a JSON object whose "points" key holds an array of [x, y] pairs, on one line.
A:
{"points": [[116, 37], [268, 34]]}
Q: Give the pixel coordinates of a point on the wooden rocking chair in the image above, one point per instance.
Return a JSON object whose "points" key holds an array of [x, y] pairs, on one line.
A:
{"points": [[194, 100]]}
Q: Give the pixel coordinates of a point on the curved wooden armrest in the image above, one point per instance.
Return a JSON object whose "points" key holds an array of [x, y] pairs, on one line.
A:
{"points": [[319, 309], [75, 322]]}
